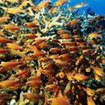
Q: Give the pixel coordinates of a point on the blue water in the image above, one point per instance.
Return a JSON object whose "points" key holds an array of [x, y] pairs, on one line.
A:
{"points": [[98, 6]]}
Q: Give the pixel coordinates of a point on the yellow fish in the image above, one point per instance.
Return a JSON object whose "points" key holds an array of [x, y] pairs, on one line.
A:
{"points": [[43, 5], [94, 35], [97, 70], [60, 2], [12, 1], [15, 10]]}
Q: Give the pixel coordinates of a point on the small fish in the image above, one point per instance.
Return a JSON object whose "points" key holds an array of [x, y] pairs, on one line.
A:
{"points": [[89, 92], [34, 81], [60, 74], [36, 51], [94, 35], [4, 19], [44, 59], [60, 2], [70, 76], [32, 96], [47, 72], [54, 50], [43, 4], [31, 36], [65, 36], [97, 70], [11, 84], [81, 77], [11, 27], [65, 57], [5, 40], [31, 25], [10, 64], [14, 46], [52, 87], [90, 101], [97, 77], [53, 10], [43, 45], [3, 51], [80, 5], [13, 1], [71, 9], [15, 10], [59, 101], [23, 74], [73, 22]]}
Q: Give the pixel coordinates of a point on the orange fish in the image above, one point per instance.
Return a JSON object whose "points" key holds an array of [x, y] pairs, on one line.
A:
{"points": [[66, 57], [65, 36], [43, 4], [10, 64], [36, 51], [71, 9], [94, 35], [43, 45], [39, 41], [47, 72], [70, 76], [73, 22], [34, 81], [4, 19], [97, 77], [60, 2], [97, 70], [32, 96], [11, 27], [3, 51], [14, 46], [90, 101], [55, 50], [81, 77], [31, 25], [11, 84], [53, 10], [89, 92], [59, 101], [44, 59], [31, 36], [52, 87], [23, 74], [5, 40]]}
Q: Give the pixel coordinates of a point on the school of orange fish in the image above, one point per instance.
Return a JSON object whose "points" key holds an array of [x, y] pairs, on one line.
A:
{"points": [[45, 58]]}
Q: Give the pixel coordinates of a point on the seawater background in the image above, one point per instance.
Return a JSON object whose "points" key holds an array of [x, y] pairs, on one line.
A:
{"points": [[98, 6]]}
